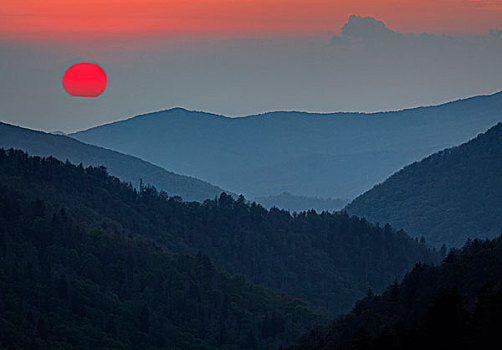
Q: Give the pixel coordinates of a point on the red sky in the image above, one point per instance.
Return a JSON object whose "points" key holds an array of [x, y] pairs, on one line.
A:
{"points": [[64, 19]]}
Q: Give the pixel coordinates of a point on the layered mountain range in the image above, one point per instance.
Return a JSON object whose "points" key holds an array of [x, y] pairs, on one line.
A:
{"points": [[338, 155]]}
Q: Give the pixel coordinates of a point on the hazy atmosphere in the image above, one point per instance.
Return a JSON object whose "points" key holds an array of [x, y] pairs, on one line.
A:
{"points": [[250, 174], [358, 64]]}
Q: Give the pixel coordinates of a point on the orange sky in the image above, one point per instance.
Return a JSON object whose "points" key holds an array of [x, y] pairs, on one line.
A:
{"points": [[68, 19]]}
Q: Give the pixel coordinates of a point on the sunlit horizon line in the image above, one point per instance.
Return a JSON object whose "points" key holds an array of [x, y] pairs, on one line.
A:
{"points": [[63, 20], [196, 34]]}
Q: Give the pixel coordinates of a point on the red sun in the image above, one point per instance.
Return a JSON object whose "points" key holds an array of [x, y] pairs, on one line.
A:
{"points": [[84, 79]]}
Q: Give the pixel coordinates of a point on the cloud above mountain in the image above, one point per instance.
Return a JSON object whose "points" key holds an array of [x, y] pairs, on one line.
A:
{"points": [[370, 31], [496, 33], [366, 29]]}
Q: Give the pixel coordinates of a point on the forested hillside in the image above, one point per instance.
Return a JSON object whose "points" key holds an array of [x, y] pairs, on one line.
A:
{"points": [[327, 259], [69, 284], [127, 168], [447, 197], [456, 305], [337, 155]]}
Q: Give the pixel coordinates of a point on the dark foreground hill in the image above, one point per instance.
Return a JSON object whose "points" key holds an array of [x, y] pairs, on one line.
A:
{"points": [[456, 305], [337, 155], [447, 197], [127, 168], [329, 260], [66, 283]]}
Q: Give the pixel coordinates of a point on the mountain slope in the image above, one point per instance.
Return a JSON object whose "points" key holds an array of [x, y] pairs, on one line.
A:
{"points": [[447, 197], [456, 305], [69, 284], [127, 168], [327, 259], [303, 153]]}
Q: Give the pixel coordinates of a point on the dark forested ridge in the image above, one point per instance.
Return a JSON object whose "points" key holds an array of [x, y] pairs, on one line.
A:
{"points": [[127, 168], [327, 259], [66, 284], [447, 197], [337, 155], [456, 305]]}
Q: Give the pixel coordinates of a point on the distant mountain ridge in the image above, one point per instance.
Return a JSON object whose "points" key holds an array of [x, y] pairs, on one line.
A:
{"points": [[127, 168], [338, 155], [447, 197], [294, 203]]}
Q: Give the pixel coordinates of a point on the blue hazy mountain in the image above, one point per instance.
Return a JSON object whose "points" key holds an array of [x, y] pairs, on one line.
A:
{"points": [[337, 155], [127, 168], [447, 197]]}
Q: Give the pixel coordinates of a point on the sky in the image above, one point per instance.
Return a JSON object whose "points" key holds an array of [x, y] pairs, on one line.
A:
{"points": [[79, 18], [239, 57]]}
